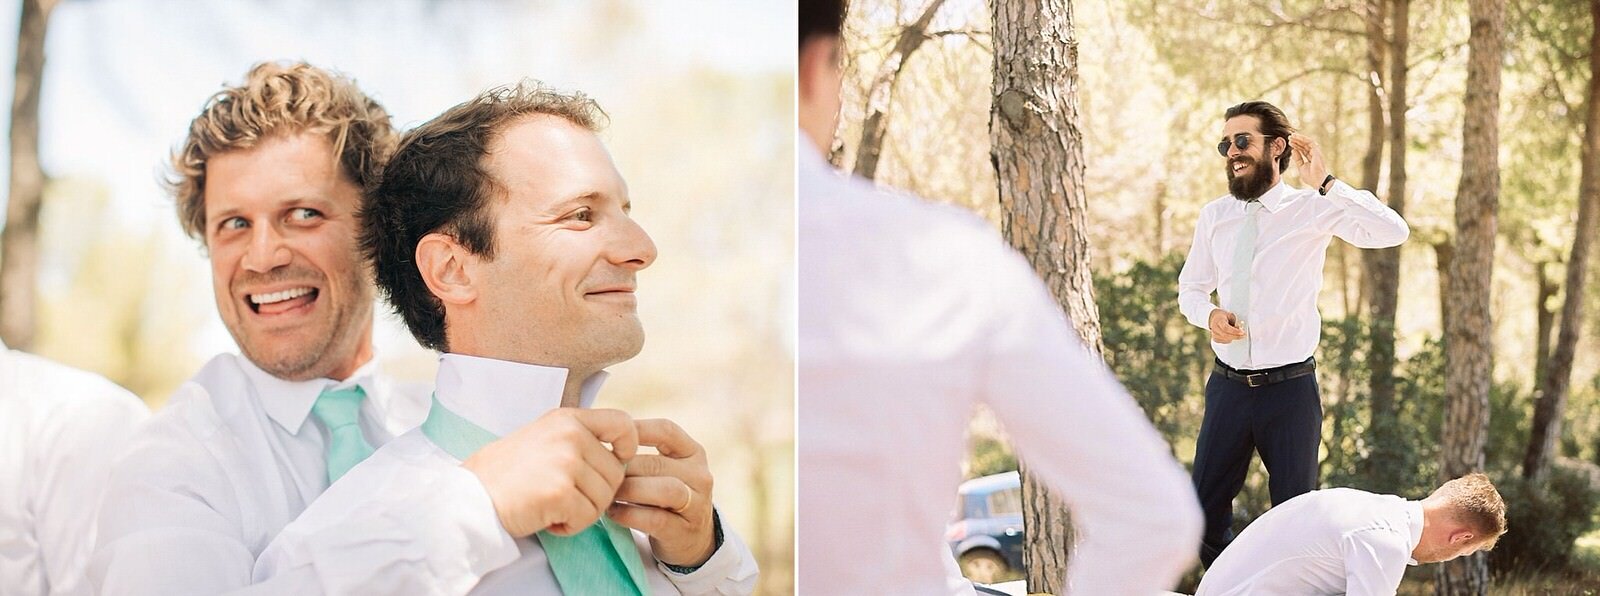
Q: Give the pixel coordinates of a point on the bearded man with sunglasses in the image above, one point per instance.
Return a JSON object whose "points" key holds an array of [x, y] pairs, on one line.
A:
{"points": [[1260, 248]]}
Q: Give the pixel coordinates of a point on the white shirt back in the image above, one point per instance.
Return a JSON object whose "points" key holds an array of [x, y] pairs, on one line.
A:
{"points": [[910, 315], [215, 475], [60, 428], [1334, 541]]}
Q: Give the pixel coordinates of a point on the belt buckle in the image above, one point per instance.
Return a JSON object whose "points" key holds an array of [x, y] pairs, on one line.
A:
{"points": [[1250, 379]]}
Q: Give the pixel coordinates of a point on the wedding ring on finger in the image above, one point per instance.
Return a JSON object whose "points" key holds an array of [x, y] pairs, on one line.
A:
{"points": [[687, 502]]}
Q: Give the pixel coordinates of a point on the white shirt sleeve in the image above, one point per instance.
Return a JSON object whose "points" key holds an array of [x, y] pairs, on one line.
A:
{"points": [[1199, 276], [164, 529], [392, 528], [1374, 561], [1362, 220], [76, 448], [731, 570], [1079, 431], [419, 523]]}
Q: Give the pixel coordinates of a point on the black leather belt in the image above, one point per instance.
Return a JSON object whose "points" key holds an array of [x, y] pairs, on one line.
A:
{"points": [[1268, 376]]}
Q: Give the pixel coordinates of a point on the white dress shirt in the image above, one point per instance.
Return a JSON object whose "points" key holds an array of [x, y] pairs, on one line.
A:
{"points": [[1334, 541], [911, 314], [1295, 226], [230, 461], [59, 430], [411, 520]]}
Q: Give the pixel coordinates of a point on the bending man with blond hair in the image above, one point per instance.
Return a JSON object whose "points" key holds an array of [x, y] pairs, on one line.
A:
{"points": [[1347, 541]]}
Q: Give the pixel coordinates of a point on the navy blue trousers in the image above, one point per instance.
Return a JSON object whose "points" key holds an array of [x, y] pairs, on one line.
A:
{"points": [[1282, 422]]}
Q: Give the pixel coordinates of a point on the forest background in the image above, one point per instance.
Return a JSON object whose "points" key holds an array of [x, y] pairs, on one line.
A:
{"points": [[1497, 176]]}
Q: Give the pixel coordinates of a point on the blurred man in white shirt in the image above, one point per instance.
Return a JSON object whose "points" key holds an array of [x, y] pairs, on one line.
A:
{"points": [[60, 428], [1346, 541], [911, 314]]}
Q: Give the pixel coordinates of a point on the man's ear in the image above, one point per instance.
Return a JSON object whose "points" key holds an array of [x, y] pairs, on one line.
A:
{"points": [[818, 57], [447, 268], [1462, 536]]}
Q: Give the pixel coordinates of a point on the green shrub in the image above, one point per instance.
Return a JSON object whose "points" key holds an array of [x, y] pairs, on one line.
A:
{"points": [[1545, 519], [990, 456], [1158, 356]]}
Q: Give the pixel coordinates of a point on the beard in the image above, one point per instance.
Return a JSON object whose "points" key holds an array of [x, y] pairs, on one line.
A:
{"points": [[1250, 186]]}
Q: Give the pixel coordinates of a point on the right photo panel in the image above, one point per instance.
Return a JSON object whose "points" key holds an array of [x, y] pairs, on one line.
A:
{"points": [[1214, 298]]}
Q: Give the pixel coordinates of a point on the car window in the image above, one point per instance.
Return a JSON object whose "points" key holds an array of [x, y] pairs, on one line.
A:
{"points": [[1005, 502], [971, 506]]}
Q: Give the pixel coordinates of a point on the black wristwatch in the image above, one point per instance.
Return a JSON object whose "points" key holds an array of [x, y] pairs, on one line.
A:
{"points": [[716, 545], [1324, 188]]}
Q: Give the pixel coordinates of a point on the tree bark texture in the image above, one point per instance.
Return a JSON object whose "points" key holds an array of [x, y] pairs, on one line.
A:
{"points": [[1546, 325], [1469, 328], [1383, 267], [19, 243], [1037, 151], [1377, 120]]}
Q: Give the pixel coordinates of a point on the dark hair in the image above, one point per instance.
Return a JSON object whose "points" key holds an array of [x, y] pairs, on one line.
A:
{"points": [[436, 182], [821, 18], [1273, 124]]}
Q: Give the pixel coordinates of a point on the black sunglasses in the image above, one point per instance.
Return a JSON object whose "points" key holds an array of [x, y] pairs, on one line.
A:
{"points": [[1241, 141]]}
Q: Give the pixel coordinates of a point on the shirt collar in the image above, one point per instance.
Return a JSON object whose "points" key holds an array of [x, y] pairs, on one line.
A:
{"points": [[811, 163], [1276, 197], [502, 396], [289, 402], [1414, 520]]}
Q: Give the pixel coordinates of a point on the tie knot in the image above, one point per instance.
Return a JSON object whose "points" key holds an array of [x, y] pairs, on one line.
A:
{"points": [[337, 408], [1252, 207]]}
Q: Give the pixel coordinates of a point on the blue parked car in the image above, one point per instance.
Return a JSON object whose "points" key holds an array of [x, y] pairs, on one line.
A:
{"points": [[986, 536]]}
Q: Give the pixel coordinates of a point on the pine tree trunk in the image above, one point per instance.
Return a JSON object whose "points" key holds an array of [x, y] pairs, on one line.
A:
{"points": [[1037, 150], [1469, 329], [1546, 325], [1384, 268], [19, 243], [1377, 120], [881, 95], [1558, 374], [1372, 157]]}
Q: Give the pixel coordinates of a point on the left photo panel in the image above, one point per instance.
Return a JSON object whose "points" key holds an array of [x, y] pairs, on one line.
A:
{"points": [[414, 298]]}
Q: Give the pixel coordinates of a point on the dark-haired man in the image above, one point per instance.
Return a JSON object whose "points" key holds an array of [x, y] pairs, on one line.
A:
{"points": [[501, 234], [1260, 247]]}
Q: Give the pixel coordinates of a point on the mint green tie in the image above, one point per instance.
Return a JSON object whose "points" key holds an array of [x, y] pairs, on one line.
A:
{"points": [[599, 560], [1244, 254], [339, 410]]}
